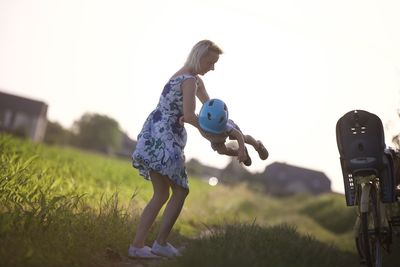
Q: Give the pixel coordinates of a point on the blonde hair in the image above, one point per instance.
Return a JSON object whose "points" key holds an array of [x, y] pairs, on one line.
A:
{"points": [[198, 51]]}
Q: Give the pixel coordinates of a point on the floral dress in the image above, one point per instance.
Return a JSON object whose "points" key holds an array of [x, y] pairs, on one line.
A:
{"points": [[161, 142]]}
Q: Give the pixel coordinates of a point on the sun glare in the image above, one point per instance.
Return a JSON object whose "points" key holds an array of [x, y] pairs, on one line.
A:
{"points": [[213, 181]]}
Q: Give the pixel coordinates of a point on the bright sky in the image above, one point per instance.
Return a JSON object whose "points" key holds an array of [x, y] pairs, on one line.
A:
{"points": [[290, 69]]}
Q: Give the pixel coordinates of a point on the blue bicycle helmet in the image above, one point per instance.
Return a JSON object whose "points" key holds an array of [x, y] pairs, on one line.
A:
{"points": [[213, 116]]}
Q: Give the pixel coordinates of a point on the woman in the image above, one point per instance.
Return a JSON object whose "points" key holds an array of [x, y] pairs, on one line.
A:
{"points": [[159, 154]]}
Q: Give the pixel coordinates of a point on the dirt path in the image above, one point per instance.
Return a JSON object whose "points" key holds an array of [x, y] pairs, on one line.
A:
{"points": [[126, 262], [113, 258]]}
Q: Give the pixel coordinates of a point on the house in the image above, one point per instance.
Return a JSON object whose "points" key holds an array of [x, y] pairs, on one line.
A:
{"points": [[282, 179], [278, 179], [23, 116]]}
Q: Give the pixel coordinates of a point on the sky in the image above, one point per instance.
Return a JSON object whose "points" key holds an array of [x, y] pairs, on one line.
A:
{"points": [[289, 71]]}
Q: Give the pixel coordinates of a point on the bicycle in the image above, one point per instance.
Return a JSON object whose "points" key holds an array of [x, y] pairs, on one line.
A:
{"points": [[369, 177]]}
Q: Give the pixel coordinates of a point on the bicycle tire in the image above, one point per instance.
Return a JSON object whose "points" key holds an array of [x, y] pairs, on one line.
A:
{"points": [[368, 239]]}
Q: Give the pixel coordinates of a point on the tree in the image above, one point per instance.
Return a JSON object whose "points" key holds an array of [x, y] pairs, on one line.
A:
{"points": [[97, 132], [56, 134]]}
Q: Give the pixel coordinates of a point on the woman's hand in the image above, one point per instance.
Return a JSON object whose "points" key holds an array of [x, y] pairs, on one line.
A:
{"points": [[182, 121]]}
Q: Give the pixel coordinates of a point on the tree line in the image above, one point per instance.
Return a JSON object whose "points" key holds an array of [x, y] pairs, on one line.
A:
{"points": [[92, 131], [101, 133]]}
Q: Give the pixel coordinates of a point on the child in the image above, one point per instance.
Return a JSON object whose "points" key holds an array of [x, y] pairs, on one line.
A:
{"points": [[217, 127]]}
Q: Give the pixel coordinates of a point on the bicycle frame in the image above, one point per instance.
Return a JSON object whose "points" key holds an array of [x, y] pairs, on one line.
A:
{"points": [[366, 183], [372, 213]]}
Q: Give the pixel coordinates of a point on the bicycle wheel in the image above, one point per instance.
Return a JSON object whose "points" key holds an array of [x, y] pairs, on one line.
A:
{"points": [[368, 239]]}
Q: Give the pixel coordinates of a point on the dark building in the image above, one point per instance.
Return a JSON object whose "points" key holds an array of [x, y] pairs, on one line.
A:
{"points": [[23, 116], [282, 179]]}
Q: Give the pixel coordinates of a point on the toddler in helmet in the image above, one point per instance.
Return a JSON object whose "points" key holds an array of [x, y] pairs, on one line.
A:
{"points": [[217, 127]]}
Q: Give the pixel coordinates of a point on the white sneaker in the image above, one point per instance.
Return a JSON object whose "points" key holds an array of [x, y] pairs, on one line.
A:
{"points": [[168, 251], [141, 253]]}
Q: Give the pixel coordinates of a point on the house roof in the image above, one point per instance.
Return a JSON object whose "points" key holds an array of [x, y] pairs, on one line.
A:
{"points": [[283, 178], [289, 171], [23, 104]]}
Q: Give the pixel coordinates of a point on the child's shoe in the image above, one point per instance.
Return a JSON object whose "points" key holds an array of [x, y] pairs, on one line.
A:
{"points": [[247, 162], [262, 151]]}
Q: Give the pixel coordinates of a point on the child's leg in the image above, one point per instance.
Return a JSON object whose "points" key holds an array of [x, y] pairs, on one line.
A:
{"points": [[258, 146], [248, 139], [222, 149]]}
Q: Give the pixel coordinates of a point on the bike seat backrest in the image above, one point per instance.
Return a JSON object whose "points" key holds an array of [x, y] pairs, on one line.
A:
{"points": [[361, 141]]}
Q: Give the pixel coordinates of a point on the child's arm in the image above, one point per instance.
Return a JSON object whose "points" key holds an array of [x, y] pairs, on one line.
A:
{"points": [[242, 156]]}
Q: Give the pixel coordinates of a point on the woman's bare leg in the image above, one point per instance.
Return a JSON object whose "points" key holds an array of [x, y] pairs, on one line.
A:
{"points": [[160, 196], [171, 212]]}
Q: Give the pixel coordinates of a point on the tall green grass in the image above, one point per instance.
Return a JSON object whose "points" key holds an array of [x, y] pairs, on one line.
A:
{"points": [[46, 218], [252, 245], [330, 212], [63, 207]]}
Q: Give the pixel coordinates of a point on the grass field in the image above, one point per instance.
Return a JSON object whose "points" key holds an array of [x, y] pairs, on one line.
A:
{"points": [[64, 207]]}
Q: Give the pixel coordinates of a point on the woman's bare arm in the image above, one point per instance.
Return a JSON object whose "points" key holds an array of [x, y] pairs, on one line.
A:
{"points": [[189, 91], [201, 94]]}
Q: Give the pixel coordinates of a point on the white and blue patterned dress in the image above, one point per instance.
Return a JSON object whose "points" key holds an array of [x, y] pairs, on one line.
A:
{"points": [[161, 142]]}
